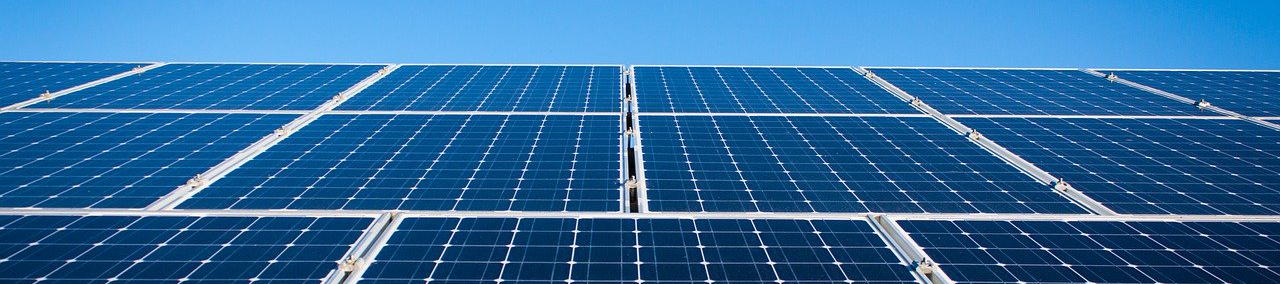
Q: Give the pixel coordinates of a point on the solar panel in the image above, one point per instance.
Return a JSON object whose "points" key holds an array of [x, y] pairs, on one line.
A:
{"points": [[494, 88], [114, 160], [21, 81], [761, 90], [1101, 252], [1028, 92], [173, 249], [220, 86], [635, 251], [432, 162], [1245, 92], [830, 164], [1159, 166]]}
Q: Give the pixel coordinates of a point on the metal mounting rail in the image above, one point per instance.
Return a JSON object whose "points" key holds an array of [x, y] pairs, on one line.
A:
{"points": [[1202, 104], [634, 140], [906, 248], [200, 181], [50, 96], [1044, 177], [357, 259]]}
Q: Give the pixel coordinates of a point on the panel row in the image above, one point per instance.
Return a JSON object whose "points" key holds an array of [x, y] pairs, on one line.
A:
{"points": [[307, 86], [55, 248], [659, 89], [690, 163]]}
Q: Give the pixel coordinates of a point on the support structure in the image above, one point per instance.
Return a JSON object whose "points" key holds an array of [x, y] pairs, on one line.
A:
{"points": [[356, 261], [902, 245], [1044, 177]]}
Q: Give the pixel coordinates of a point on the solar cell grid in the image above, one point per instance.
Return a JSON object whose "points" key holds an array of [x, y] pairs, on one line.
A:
{"points": [[173, 249], [1028, 92], [21, 81], [1100, 251], [221, 86], [1158, 166], [830, 164], [761, 90], [635, 250], [432, 162], [115, 160], [494, 88], [1245, 92]]}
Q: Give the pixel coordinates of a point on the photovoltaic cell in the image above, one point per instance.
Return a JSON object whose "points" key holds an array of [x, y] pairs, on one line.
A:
{"points": [[494, 88], [1157, 166], [102, 249], [21, 81], [115, 160], [426, 162], [761, 90], [221, 86], [1101, 252], [1028, 92], [830, 164], [1245, 92], [634, 251]]}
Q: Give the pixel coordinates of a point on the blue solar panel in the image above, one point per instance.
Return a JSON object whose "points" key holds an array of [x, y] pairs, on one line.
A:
{"points": [[830, 164], [1248, 93], [120, 160], [1101, 252], [494, 88], [1160, 166], [101, 249], [425, 162], [221, 86], [635, 251], [761, 90], [1029, 92], [20, 81]]}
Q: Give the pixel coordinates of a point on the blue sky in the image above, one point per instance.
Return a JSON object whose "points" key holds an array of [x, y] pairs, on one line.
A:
{"points": [[1127, 34]]}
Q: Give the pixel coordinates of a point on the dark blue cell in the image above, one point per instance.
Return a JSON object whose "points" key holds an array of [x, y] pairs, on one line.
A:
{"points": [[1029, 92], [761, 90], [494, 88], [634, 250], [115, 160], [1252, 93], [221, 86], [170, 249], [1152, 166], [432, 162], [21, 81], [829, 164], [1099, 251]]}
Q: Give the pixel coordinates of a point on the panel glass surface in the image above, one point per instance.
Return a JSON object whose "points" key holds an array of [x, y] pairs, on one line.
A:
{"points": [[100, 249], [1101, 252], [425, 162], [494, 88], [830, 164], [1155, 166], [221, 86], [761, 90], [21, 81], [1029, 92], [1247, 93], [115, 160], [634, 251]]}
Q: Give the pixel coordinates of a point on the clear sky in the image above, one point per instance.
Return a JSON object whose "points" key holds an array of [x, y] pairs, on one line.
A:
{"points": [[1128, 34]]}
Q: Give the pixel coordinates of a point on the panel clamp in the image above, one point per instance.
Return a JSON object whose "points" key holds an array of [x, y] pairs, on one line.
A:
{"points": [[1202, 104], [973, 134]]}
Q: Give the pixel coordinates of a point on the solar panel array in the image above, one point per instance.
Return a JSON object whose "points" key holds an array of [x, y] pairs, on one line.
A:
{"points": [[343, 173]]}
